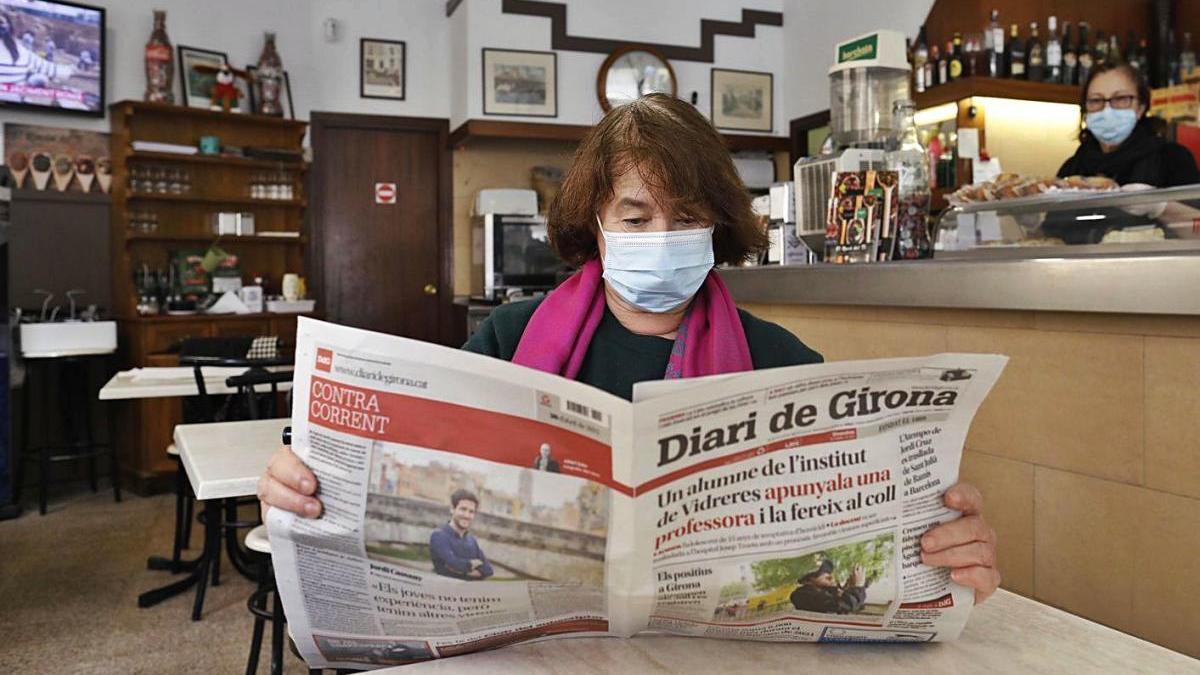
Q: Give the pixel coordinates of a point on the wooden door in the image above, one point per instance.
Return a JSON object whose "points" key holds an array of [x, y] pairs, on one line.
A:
{"points": [[382, 266]]}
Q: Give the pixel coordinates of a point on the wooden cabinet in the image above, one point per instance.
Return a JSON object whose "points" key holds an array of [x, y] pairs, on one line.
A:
{"points": [[197, 186]]}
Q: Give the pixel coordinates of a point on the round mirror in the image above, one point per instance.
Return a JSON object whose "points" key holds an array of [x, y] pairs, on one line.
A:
{"points": [[632, 72]]}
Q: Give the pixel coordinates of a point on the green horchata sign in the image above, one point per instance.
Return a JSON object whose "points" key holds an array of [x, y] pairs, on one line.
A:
{"points": [[862, 49]]}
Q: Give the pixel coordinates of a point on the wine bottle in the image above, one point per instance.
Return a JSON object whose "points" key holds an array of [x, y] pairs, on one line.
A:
{"points": [[1172, 59], [1070, 57], [1086, 60], [1035, 61], [1015, 56], [1054, 54], [994, 44], [920, 58], [1100, 55], [944, 64], [955, 67], [1187, 58], [931, 80]]}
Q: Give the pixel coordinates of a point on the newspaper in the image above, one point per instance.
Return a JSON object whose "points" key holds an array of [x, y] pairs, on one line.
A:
{"points": [[471, 503]]}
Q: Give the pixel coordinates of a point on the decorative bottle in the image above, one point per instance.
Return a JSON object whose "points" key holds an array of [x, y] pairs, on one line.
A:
{"points": [[160, 62], [270, 77]]}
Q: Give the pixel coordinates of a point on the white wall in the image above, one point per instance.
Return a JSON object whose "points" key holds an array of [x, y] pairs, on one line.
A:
{"points": [[811, 29], [660, 21], [444, 55], [423, 27], [231, 26]]}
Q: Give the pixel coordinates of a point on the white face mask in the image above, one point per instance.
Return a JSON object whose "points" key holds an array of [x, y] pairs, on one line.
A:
{"points": [[657, 271]]}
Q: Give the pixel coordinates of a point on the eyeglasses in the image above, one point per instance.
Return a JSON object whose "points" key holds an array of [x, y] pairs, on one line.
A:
{"points": [[1118, 102]]}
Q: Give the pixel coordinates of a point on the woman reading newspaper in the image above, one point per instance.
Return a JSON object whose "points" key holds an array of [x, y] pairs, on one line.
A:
{"points": [[652, 201]]}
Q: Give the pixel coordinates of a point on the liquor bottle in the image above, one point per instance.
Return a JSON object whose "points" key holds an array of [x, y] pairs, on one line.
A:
{"points": [[1035, 61], [955, 67], [1014, 57], [1143, 57], [1114, 49], [1131, 56], [919, 59], [911, 162], [1187, 58], [1070, 57], [1172, 59], [1086, 60], [1054, 55], [160, 62], [931, 80], [1100, 53], [944, 65], [994, 44]]}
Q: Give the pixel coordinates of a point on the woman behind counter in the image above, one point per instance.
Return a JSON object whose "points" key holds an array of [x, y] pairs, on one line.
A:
{"points": [[652, 201], [1120, 141]]}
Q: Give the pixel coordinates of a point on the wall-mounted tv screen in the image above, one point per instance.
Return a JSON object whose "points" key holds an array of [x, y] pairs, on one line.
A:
{"points": [[52, 56]]}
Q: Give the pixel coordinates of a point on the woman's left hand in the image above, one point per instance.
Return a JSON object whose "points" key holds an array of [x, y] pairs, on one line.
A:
{"points": [[967, 546]]}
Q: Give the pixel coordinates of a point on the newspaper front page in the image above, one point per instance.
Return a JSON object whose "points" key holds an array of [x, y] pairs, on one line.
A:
{"points": [[471, 503]]}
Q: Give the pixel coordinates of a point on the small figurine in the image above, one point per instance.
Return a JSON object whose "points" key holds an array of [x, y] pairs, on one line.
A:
{"points": [[225, 93]]}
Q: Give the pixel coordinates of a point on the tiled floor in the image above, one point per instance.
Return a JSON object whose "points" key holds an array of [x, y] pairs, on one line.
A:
{"points": [[69, 583]]}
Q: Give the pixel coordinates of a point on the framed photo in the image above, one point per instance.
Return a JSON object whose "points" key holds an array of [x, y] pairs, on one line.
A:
{"points": [[742, 100], [197, 87], [520, 83], [381, 69], [255, 94]]}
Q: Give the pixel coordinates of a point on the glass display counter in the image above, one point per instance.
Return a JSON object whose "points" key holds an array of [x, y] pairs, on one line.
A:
{"points": [[1072, 224]]}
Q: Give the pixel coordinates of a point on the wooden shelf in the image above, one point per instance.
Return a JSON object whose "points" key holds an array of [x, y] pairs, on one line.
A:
{"points": [[472, 130], [969, 87], [225, 238], [195, 199], [144, 107], [222, 160]]}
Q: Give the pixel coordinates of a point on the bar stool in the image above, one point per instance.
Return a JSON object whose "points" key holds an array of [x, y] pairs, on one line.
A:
{"points": [[266, 594], [73, 375]]}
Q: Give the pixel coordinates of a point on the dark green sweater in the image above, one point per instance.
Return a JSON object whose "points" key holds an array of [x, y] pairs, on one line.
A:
{"points": [[617, 358]]}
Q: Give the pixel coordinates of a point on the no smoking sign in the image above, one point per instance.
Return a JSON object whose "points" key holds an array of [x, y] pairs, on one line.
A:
{"points": [[385, 193]]}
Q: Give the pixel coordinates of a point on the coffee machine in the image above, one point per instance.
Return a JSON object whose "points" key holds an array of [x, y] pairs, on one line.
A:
{"points": [[869, 74]]}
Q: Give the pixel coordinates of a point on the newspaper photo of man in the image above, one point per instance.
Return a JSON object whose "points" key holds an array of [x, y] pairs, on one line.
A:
{"points": [[453, 550], [819, 591], [544, 461]]}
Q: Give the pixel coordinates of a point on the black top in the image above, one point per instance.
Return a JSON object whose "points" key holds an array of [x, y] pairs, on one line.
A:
{"points": [[1144, 157], [617, 358]]}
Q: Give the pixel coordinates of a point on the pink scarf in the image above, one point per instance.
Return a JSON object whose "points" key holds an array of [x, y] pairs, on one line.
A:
{"points": [[710, 341]]}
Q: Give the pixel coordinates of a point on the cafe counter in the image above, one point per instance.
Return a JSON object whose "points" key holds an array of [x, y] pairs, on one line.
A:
{"points": [[1086, 451]]}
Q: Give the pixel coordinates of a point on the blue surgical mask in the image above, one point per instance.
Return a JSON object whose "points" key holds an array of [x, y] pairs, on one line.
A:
{"points": [[657, 271], [1112, 126]]}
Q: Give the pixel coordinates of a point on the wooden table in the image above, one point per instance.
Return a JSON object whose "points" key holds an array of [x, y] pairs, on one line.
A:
{"points": [[1007, 634], [223, 460]]}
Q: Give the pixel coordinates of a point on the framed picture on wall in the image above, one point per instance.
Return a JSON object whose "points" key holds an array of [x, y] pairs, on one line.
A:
{"points": [[197, 86], [742, 100], [520, 83], [381, 69]]}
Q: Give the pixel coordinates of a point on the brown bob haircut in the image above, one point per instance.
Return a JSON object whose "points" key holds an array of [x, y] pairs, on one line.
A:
{"points": [[683, 161]]}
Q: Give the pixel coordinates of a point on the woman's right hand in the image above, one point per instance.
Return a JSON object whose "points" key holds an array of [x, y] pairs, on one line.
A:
{"points": [[289, 485]]}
